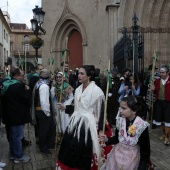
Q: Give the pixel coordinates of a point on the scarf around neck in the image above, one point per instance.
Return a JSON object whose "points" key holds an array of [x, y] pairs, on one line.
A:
{"points": [[8, 83], [42, 81], [58, 87]]}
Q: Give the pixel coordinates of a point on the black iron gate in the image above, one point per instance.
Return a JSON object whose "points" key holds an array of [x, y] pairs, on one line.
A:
{"points": [[130, 45]]}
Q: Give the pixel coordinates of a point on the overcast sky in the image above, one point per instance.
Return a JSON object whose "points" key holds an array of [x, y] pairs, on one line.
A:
{"points": [[20, 11]]}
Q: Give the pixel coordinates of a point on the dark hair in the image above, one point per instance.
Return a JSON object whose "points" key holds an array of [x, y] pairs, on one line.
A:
{"points": [[15, 72], [96, 72], [62, 64], [90, 71], [136, 104]]}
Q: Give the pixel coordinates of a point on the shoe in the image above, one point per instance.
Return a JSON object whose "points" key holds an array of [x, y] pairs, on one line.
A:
{"points": [[166, 142], [25, 158], [162, 137], [25, 142], [2, 164], [12, 157]]}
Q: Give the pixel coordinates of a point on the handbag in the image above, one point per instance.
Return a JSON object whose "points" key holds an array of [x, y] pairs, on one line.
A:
{"points": [[69, 109]]}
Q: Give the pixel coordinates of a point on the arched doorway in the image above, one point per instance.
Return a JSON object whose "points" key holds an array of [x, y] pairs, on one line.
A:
{"points": [[76, 50]]}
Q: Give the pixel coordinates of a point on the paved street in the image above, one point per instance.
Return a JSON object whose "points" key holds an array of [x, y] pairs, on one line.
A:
{"points": [[160, 154]]}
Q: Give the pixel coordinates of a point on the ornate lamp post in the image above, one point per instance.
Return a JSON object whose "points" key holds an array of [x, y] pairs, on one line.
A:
{"points": [[26, 48], [36, 22]]}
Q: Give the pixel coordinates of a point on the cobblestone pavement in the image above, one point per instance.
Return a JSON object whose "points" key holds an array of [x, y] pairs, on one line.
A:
{"points": [[160, 154]]}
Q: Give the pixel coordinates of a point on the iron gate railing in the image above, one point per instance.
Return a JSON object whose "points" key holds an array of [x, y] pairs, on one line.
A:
{"points": [[130, 45]]}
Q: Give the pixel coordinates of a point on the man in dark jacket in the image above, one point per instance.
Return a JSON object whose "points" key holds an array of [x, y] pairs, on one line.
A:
{"points": [[113, 96], [35, 76], [16, 98]]}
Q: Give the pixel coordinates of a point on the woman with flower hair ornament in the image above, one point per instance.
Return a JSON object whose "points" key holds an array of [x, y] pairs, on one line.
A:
{"points": [[132, 144]]}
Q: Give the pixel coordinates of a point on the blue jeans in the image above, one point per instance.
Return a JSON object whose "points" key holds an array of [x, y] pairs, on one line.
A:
{"points": [[16, 135]]}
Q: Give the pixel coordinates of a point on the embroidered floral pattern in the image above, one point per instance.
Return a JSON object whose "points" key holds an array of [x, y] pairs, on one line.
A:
{"points": [[134, 131]]}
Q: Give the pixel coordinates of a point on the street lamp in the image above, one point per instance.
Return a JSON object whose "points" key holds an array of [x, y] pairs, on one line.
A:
{"points": [[36, 23], [26, 48]]}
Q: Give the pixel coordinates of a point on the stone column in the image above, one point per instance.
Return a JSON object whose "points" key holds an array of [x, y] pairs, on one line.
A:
{"points": [[112, 28]]}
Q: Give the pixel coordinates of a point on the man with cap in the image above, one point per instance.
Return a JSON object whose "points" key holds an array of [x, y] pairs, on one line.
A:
{"points": [[162, 103], [44, 113]]}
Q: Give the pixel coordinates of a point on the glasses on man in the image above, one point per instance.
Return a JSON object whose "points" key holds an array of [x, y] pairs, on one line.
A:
{"points": [[161, 72]]}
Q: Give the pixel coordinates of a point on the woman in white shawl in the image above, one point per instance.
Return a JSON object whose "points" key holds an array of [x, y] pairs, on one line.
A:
{"points": [[80, 147]]}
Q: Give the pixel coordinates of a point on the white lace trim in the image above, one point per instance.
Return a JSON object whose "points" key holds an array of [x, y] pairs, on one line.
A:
{"points": [[140, 126]]}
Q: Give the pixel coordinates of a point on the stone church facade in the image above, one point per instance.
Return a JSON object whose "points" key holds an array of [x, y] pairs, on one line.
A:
{"points": [[94, 26]]}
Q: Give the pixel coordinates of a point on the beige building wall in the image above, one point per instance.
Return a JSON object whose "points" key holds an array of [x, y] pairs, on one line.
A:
{"points": [[4, 41], [99, 22], [18, 47]]}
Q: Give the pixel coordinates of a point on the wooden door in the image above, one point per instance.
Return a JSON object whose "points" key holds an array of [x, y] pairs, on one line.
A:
{"points": [[75, 57]]}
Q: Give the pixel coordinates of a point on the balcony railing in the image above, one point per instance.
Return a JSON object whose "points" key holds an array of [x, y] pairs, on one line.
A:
{"points": [[29, 54]]}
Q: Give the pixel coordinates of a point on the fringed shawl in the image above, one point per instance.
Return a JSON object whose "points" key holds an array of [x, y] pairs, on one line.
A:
{"points": [[87, 113]]}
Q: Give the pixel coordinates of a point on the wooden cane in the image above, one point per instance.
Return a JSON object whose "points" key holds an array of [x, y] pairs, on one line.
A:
{"points": [[155, 57], [58, 116]]}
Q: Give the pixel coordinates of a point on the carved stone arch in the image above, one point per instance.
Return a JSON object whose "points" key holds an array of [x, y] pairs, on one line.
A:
{"points": [[66, 24], [64, 32]]}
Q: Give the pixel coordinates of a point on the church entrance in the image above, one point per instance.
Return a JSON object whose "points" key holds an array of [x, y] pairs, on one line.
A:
{"points": [[75, 47]]}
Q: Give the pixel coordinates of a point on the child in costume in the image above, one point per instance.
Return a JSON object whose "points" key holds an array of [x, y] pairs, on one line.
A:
{"points": [[132, 144]]}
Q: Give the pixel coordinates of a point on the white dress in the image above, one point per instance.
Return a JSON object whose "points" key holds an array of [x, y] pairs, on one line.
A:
{"points": [[80, 143], [63, 118]]}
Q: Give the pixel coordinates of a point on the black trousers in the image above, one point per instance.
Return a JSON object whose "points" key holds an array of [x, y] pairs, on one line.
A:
{"points": [[47, 131]]}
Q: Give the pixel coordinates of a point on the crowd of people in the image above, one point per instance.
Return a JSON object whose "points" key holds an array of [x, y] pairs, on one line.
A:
{"points": [[70, 106]]}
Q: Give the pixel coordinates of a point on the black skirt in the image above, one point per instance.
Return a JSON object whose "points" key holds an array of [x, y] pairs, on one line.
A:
{"points": [[74, 152]]}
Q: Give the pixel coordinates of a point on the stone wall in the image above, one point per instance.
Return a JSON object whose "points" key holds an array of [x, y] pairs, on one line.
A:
{"points": [[99, 22]]}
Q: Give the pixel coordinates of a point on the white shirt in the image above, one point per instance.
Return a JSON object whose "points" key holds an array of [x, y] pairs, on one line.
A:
{"points": [[164, 81], [44, 99]]}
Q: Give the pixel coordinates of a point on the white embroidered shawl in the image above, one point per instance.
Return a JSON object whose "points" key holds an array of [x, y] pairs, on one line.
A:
{"points": [[87, 110], [140, 126]]}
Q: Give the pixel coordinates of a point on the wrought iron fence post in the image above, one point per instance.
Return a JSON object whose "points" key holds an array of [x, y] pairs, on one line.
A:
{"points": [[135, 42]]}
